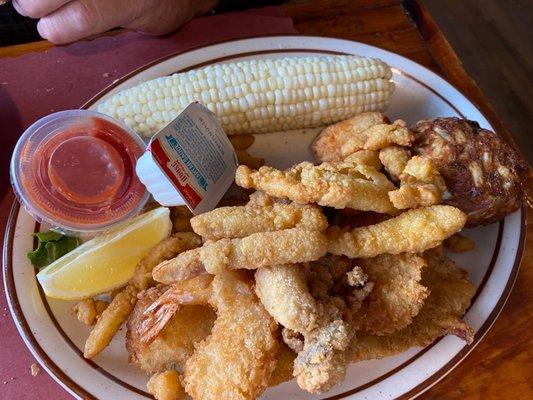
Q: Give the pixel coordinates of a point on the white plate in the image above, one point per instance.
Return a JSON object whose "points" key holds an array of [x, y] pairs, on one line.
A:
{"points": [[56, 339]]}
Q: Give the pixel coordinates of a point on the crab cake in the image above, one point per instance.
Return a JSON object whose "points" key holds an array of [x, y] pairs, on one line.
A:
{"points": [[481, 171]]}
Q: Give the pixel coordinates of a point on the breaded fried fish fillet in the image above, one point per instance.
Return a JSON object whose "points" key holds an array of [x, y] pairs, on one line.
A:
{"points": [[450, 295]]}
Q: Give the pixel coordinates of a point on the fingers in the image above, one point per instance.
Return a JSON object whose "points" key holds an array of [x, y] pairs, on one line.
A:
{"points": [[81, 18], [64, 21], [166, 16], [37, 8]]}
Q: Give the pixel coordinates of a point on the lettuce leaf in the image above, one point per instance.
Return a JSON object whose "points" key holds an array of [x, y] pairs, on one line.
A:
{"points": [[50, 247]]}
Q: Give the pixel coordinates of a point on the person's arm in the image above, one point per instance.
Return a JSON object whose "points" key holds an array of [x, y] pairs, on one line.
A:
{"points": [[64, 21]]}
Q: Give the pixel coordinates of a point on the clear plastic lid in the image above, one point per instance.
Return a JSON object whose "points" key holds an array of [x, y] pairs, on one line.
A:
{"points": [[75, 170]]}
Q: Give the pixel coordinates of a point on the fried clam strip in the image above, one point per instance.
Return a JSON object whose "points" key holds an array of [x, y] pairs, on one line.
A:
{"points": [[322, 361], [410, 232], [255, 251], [394, 160], [175, 343], [327, 145], [238, 222], [122, 304], [365, 157], [237, 359], [450, 296], [420, 185], [397, 295], [378, 137], [338, 185]]}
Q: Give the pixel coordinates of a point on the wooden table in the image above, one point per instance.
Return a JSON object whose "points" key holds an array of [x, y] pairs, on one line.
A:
{"points": [[500, 367]]}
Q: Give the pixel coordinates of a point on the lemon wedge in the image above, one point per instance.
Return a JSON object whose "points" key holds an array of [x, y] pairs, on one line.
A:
{"points": [[106, 261]]}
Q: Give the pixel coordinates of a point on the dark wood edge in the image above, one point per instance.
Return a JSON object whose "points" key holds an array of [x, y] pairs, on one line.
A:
{"points": [[452, 68]]}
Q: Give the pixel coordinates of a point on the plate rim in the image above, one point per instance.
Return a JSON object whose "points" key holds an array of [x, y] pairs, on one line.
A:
{"points": [[73, 388]]}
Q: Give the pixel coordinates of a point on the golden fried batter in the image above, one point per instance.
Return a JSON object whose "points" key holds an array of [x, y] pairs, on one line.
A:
{"points": [[413, 231], [450, 295], [238, 222], [166, 386], [327, 145], [321, 361], [284, 293], [258, 250], [237, 360], [378, 137], [421, 185], [123, 302], [284, 366], [397, 295], [394, 160], [175, 343], [88, 310], [109, 322], [338, 185], [365, 157]]}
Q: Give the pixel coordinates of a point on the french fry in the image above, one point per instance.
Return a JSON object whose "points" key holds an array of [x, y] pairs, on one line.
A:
{"points": [[166, 386], [123, 302]]}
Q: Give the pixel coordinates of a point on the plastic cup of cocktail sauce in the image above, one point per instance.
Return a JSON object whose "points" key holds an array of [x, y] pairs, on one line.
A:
{"points": [[75, 171]]}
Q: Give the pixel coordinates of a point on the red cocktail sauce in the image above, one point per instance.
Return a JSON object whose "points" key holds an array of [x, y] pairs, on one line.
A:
{"points": [[84, 174]]}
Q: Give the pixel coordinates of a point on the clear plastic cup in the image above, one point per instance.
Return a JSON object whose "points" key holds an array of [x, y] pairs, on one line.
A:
{"points": [[75, 171]]}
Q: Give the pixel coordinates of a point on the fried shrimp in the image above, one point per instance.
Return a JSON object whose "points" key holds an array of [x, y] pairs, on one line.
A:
{"points": [[258, 250], [237, 359], [397, 295], [175, 342], [327, 145], [155, 318], [239, 222], [338, 185], [413, 231], [122, 304], [450, 293]]}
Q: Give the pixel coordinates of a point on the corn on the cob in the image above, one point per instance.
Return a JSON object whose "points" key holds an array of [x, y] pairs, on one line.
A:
{"points": [[257, 96]]}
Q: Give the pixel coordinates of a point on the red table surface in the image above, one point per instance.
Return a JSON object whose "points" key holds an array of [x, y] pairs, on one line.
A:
{"points": [[37, 84]]}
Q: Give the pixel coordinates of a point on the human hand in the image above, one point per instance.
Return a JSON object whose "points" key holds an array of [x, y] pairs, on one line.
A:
{"points": [[64, 21]]}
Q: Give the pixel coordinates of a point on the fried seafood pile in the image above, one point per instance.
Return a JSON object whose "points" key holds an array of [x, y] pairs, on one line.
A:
{"points": [[325, 265]]}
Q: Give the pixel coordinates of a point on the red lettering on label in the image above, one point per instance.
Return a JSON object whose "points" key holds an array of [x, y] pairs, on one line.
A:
{"points": [[177, 173]]}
